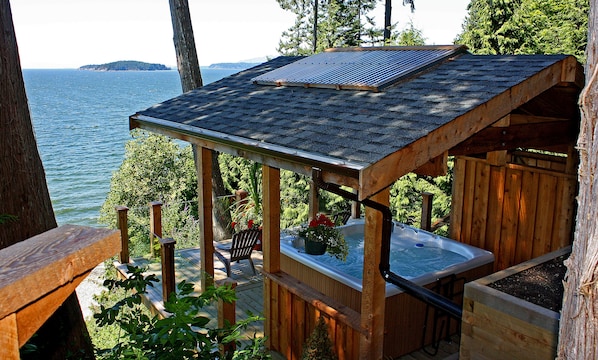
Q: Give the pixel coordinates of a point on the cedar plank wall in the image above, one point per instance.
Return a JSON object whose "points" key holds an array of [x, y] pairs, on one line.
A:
{"points": [[517, 211], [304, 310]]}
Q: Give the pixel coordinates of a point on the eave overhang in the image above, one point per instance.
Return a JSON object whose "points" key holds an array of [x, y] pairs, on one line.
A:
{"points": [[336, 170], [369, 178]]}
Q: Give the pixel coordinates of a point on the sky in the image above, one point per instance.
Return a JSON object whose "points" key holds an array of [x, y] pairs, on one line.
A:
{"points": [[73, 33]]}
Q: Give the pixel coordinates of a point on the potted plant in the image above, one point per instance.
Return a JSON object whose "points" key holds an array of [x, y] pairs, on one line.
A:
{"points": [[321, 236]]}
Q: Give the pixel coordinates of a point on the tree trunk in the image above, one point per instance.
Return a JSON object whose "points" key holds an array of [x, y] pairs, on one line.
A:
{"points": [[25, 206], [578, 334], [190, 74], [387, 20]]}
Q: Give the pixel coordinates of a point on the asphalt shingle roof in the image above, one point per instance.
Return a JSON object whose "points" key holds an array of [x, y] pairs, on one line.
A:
{"points": [[359, 127]]}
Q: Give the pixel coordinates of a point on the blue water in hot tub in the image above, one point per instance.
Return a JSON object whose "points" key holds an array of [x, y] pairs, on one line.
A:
{"points": [[408, 258]]}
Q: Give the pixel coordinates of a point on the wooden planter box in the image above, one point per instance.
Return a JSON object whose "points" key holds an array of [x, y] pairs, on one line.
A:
{"points": [[497, 325]]}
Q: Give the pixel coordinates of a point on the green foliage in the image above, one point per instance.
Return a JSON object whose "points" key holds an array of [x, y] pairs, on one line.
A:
{"points": [[526, 27], [410, 36], [185, 334], [319, 346], [406, 199], [155, 168], [340, 23]]}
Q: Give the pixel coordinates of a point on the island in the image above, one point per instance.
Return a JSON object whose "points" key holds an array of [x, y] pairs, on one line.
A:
{"points": [[233, 66], [127, 65]]}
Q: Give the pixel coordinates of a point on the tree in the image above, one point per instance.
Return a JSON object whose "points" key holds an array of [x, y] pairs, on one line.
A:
{"points": [[189, 71], [155, 168], [578, 333], [411, 36], [388, 17], [24, 197], [526, 27], [338, 23]]}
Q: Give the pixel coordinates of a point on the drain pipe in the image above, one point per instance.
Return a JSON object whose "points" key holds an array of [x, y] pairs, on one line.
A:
{"points": [[411, 288]]}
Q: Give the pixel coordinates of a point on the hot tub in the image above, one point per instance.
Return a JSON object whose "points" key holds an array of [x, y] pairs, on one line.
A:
{"points": [[404, 315]]}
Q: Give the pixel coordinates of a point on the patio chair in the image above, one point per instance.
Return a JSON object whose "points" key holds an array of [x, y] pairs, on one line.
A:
{"points": [[341, 218], [240, 249]]}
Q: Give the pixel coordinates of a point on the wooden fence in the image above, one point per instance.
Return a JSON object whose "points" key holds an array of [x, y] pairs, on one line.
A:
{"points": [[517, 211]]}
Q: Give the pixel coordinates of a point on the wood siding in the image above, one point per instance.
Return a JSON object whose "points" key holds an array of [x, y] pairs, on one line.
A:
{"points": [[294, 312], [404, 315], [517, 211]]}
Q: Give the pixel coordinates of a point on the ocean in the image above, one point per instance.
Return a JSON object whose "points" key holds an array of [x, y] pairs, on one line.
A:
{"points": [[81, 124]]}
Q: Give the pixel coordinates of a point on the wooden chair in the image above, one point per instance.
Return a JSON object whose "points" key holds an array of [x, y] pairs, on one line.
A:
{"points": [[240, 249]]}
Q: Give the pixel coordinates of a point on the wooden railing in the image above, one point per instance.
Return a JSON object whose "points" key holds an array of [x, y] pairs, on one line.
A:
{"points": [[226, 311], [37, 275]]}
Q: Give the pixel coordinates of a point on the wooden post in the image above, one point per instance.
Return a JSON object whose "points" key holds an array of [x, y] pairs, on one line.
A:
{"points": [[314, 201], [203, 162], [9, 338], [124, 234], [373, 296], [168, 278], [155, 224], [226, 312], [426, 221], [270, 243]]}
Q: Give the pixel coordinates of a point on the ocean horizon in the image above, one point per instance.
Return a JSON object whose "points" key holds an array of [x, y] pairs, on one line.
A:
{"points": [[81, 123]]}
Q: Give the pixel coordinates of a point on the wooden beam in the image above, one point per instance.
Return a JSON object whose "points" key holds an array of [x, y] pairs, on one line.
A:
{"points": [[32, 317], [35, 267], [382, 174], [524, 135], [334, 170], [373, 296], [203, 163], [437, 166]]}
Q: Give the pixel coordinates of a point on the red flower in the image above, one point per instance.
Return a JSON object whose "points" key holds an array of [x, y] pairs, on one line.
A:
{"points": [[250, 224], [233, 224], [321, 219]]}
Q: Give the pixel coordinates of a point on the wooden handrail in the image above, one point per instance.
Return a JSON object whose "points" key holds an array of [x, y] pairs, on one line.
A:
{"points": [[323, 303], [37, 275]]}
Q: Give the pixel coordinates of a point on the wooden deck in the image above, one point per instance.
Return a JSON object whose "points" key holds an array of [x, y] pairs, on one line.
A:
{"points": [[249, 293]]}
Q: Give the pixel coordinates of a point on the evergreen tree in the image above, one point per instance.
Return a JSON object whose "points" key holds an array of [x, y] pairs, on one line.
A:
{"points": [[339, 23], [526, 27]]}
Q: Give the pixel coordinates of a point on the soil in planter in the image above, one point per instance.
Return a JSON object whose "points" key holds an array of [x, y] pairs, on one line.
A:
{"points": [[541, 285]]}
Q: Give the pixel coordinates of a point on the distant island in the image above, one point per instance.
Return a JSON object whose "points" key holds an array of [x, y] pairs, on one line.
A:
{"points": [[233, 66], [127, 65]]}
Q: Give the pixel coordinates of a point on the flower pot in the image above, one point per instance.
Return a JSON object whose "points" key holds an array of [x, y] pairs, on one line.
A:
{"points": [[315, 248]]}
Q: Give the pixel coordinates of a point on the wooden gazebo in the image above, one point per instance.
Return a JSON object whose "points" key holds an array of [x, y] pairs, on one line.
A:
{"points": [[367, 116]]}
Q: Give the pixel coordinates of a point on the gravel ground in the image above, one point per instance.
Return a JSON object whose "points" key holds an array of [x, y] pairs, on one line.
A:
{"points": [[89, 287]]}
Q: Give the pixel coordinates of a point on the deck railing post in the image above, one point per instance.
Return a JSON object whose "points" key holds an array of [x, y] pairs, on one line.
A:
{"points": [[168, 278], [124, 233], [155, 224], [226, 312], [426, 221]]}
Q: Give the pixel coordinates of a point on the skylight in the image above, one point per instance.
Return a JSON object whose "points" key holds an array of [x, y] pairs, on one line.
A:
{"points": [[358, 68]]}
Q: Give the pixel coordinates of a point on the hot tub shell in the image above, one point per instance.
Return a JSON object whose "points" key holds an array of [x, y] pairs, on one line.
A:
{"points": [[404, 315]]}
